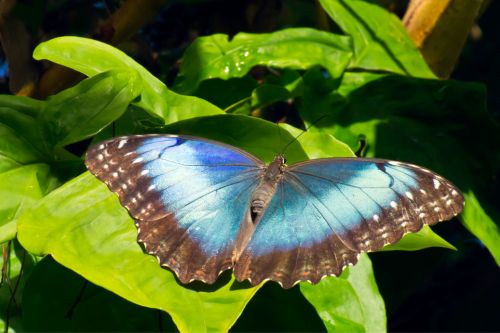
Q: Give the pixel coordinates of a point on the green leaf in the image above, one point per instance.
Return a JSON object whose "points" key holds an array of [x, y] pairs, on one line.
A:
{"points": [[83, 110], [84, 227], [181, 107], [381, 42], [23, 177], [225, 93], [240, 131], [15, 151], [420, 240], [22, 180], [91, 57], [16, 261], [284, 86], [216, 56], [25, 105], [351, 302], [20, 189], [476, 219], [56, 299], [27, 136], [288, 86], [320, 145]]}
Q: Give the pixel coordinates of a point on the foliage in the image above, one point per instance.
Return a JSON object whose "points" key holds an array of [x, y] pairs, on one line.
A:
{"points": [[369, 83]]}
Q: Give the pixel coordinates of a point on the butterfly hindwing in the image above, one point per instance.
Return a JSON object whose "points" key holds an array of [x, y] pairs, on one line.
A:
{"points": [[188, 197], [325, 212], [292, 242]]}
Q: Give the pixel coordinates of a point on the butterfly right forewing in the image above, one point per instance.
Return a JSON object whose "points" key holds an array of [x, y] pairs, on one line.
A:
{"points": [[326, 212]]}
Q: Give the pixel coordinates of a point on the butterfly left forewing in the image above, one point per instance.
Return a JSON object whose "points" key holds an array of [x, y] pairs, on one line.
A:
{"points": [[187, 195]]}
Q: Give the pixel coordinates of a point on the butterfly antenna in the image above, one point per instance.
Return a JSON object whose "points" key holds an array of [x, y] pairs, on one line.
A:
{"points": [[307, 128], [279, 134]]}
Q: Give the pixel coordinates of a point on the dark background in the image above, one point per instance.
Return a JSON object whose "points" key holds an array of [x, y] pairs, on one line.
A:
{"points": [[428, 290]]}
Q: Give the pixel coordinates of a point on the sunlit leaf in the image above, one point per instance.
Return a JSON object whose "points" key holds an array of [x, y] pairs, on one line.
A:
{"points": [[92, 57], [83, 226], [20, 188], [351, 302], [83, 110], [480, 222], [381, 42], [216, 56]]}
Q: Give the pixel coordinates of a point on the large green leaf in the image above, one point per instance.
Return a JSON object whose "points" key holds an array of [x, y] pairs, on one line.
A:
{"points": [[350, 303], [481, 223], [58, 300], [91, 57], [25, 105], [20, 188], [423, 239], [24, 177], [216, 56], [18, 265], [285, 85], [380, 40], [259, 137], [320, 145], [83, 110], [84, 227], [15, 151], [22, 141], [181, 107]]}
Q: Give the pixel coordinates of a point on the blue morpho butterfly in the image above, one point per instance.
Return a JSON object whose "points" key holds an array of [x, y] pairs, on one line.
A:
{"points": [[202, 207]]}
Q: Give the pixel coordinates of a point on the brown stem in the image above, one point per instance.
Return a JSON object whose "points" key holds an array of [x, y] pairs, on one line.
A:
{"points": [[121, 25], [440, 28]]}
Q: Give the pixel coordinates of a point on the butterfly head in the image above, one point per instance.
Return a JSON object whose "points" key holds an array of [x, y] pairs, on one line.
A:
{"points": [[276, 168], [280, 160]]}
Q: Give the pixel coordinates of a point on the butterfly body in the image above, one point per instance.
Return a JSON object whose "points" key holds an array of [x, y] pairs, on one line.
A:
{"points": [[202, 207], [264, 192]]}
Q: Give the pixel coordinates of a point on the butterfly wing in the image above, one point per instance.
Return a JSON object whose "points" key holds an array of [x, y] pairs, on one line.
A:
{"points": [[188, 197], [325, 212]]}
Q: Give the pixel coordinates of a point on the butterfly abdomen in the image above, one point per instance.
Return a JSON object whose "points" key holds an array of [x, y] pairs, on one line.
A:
{"points": [[261, 198], [266, 188]]}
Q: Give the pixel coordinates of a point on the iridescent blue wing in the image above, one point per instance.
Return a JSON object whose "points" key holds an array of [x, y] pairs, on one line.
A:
{"points": [[188, 197], [325, 212]]}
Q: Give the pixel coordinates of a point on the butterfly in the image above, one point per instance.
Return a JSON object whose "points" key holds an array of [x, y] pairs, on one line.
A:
{"points": [[203, 207]]}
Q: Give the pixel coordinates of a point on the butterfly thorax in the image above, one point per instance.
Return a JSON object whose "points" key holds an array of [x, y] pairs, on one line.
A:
{"points": [[267, 187]]}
